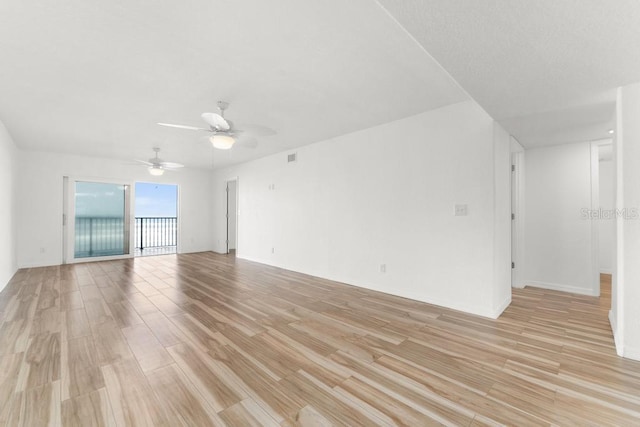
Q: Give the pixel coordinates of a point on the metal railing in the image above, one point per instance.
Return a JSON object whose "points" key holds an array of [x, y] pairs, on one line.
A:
{"points": [[104, 236], [156, 232]]}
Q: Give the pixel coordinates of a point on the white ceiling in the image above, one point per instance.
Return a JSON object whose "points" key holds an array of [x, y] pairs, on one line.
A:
{"points": [[545, 69], [93, 77]]}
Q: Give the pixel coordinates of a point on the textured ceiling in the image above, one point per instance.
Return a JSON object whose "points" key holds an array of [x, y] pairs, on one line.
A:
{"points": [[94, 77], [545, 69]]}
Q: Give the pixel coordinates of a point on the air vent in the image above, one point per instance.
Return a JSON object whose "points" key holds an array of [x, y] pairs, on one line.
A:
{"points": [[292, 157]]}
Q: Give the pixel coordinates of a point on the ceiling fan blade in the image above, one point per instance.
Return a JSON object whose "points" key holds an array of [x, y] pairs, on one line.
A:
{"points": [[171, 165], [144, 162], [216, 121], [171, 125], [257, 130]]}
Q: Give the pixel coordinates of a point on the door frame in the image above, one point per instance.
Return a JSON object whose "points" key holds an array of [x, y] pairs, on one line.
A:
{"points": [[595, 205], [237, 198], [517, 221], [69, 211], [132, 213]]}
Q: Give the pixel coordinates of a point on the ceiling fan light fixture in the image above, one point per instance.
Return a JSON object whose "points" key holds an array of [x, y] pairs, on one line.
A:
{"points": [[156, 170], [222, 142]]}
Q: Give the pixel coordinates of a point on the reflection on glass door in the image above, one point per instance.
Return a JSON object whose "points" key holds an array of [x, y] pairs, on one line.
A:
{"points": [[101, 228]]}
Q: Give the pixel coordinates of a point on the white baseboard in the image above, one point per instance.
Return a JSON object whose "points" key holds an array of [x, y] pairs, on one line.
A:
{"points": [[562, 288], [39, 264], [258, 260], [219, 253], [632, 353], [616, 336], [502, 307], [454, 305]]}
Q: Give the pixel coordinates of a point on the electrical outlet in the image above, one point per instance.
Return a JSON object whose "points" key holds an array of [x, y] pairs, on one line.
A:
{"points": [[273, 250], [460, 210], [42, 250], [383, 268]]}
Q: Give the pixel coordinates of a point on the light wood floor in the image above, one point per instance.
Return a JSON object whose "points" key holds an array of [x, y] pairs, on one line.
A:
{"points": [[204, 339]]}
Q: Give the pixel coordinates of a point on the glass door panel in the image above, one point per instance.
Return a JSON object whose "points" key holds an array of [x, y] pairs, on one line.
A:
{"points": [[101, 226]]}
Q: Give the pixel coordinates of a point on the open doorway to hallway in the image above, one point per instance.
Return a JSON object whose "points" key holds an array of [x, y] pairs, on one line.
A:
{"points": [[156, 219], [606, 225], [232, 216]]}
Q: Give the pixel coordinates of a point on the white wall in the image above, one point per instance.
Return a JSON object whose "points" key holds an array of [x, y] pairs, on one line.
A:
{"points": [[606, 226], [384, 195], [40, 202], [558, 238], [626, 319], [8, 211]]}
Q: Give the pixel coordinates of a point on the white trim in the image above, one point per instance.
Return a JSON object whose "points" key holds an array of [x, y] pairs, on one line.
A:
{"points": [[595, 225], [453, 305], [562, 288], [618, 279], [65, 218], [226, 223], [38, 264], [178, 213], [616, 335], [518, 160], [631, 353], [129, 217], [99, 258], [501, 308], [606, 271]]}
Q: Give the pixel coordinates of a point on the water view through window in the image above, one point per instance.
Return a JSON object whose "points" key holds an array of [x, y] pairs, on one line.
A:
{"points": [[100, 228], [156, 219]]}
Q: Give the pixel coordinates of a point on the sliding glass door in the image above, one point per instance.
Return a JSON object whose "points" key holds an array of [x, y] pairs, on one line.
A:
{"points": [[100, 219]]}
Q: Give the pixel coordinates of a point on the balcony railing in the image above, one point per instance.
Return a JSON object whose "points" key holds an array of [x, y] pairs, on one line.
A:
{"points": [[156, 232], [105, 236]]}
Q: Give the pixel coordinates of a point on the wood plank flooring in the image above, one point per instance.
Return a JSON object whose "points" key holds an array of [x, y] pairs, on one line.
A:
{"points": [[205, 339]]}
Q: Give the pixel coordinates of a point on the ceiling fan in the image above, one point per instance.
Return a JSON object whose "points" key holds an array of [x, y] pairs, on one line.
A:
{"points": [[225, 134], [156, 166]]}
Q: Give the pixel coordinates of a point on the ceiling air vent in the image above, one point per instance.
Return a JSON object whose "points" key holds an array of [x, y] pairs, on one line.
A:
{"points": [[292, 157]]}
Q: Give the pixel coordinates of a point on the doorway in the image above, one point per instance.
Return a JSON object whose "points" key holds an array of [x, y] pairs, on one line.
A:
{"points": [[156, 219], [95, 220], [514, 209], [517, 211], [232, 216], [607, 224]]}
